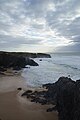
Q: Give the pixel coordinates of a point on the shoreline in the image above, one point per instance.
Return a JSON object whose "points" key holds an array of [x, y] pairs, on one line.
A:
{"points": [[15, 107]]}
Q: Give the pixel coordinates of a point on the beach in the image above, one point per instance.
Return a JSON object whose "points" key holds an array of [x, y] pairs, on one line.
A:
{"points": [[15, 107]]}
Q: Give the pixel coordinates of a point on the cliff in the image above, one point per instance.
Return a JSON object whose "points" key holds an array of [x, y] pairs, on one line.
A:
{"points": [[27, 54], [8, 60]]}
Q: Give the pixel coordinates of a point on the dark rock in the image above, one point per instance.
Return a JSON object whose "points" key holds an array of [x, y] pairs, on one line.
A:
{"points": [[38, 100], [33, 100], [26, 93], [40, 60], [43, 102], [2, 69], [76, 110], [19, 88], [51, 109], [31, 62], [7, 61], [1, 73], [68, 99], [48, 85], [27, 67], [16, 68], [28, 96], [65, 98], [32, 97]]}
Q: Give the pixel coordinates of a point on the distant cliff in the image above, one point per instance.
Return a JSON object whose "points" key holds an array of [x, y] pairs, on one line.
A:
{"points": [[27, 54]]}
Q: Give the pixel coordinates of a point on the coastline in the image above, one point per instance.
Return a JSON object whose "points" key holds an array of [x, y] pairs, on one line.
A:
{"points": [[15, 107]]}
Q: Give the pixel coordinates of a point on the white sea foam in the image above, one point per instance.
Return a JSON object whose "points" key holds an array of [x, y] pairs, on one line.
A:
{"points": [[50, 69]]}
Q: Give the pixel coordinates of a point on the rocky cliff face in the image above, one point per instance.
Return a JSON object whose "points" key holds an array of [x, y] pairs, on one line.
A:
{"points": [[66, 94], [65, 98], [16, 62]]}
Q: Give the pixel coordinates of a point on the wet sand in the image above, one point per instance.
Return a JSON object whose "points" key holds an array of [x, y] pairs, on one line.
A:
{"points": [[15, 107], [11, 83]]}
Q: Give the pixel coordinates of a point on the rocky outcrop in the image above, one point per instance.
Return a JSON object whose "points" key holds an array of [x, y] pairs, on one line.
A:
{"points": [[2, 69], [65, 98], [14, 61], [31, 62], [76, 110], [64, 94]]}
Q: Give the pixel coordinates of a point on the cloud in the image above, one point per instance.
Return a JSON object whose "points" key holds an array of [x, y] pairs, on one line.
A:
{"points": [[43, 24], [75, 47]]}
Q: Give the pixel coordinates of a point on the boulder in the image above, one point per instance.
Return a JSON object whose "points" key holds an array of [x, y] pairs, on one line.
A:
{"points": [[26, 93], [40, 59], [19, 88], [31, 62]]}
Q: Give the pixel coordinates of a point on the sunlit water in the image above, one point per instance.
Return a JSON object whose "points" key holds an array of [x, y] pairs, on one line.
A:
{"points": [[50, 69]]}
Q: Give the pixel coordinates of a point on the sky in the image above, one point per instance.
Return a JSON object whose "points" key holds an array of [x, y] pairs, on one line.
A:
{"points": [[40, 25]]}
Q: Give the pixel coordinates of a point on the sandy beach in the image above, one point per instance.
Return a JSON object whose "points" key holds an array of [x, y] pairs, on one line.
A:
{"points": [[15, 107]]}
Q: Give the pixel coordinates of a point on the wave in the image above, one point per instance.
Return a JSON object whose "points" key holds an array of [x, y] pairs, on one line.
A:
{"points": [[68, 66], [49, 70]]}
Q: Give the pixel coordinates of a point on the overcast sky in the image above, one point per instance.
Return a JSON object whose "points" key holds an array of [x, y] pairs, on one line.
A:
{"points": [[40, 25]]}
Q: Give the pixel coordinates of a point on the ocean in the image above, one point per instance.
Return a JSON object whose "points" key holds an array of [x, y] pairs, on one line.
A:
{"points": [[50, 69]]}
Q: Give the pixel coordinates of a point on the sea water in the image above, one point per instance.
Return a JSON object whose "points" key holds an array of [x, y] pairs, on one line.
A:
{"points": [[50, 69]]}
